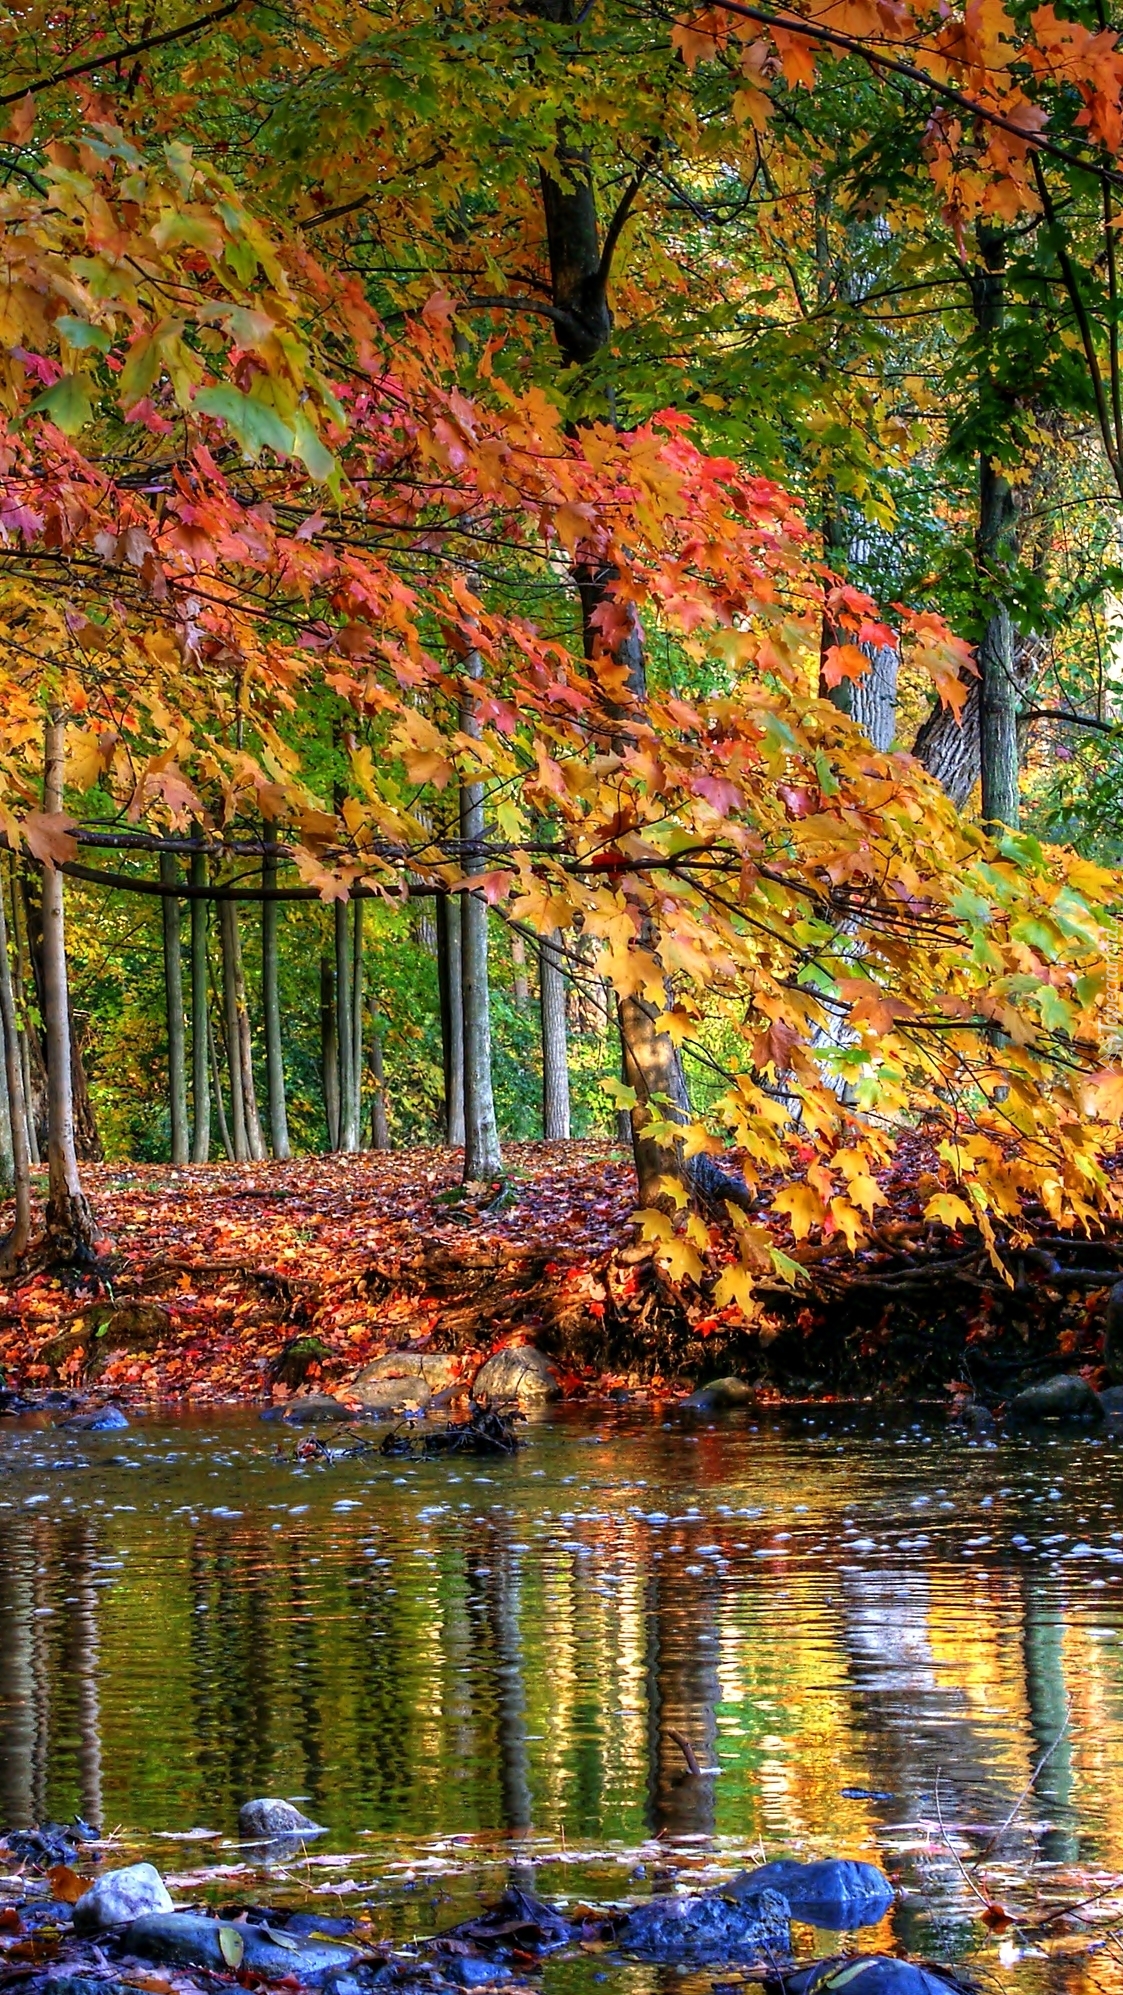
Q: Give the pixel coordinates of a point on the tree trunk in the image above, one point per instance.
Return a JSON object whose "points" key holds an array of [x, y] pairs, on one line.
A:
{"points": [[994, 548], [344, 1026], [13, 1248], [379, 1117], [7, 1153], [271, 1001], [87, 1145], [70, 1230], [450, 985], [482, 1155], [228, 929], [220, 1112], [200, 1016], [519, 985], [254, 1137], [329, 1050], [31, 1059], [358, 977], [949, 748], [555, 1052], [173, 1012]]}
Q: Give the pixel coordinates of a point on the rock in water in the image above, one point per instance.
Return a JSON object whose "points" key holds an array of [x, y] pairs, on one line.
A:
{"points": [[721, 1393], [120, 1896], [187, 1939], [309, 1408], [709, 1927], [836, 1893], [262, 1820], [518, 1372], [1066, 1397], [869, 1974], [104, 1420]]}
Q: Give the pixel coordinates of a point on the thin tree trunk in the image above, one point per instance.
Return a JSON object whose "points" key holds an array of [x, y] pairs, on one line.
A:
{"points": [[7, 1152], [13, 1248], [28, 1053], [519, 982], [173, 1011], [220, 1112], [329, 1051], [254, 1137], [70, 1230], [271, 1001], [482, 1155], [228, 931], [379, 1118], [358, 975], [200, 1017], [345, 1037], [555, 1051], [450, 984], [994, 548]]}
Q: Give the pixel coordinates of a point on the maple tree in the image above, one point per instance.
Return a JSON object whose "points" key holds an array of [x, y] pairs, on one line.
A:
{"points": [[581, 661]]}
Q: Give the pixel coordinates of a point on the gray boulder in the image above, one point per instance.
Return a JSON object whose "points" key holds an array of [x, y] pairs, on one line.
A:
{"points": [[103, 1420], [404, 1379], [518, 1372], [188, 1939], [710, 1926], [263, 1819], [835, 1893], [309, 1409], [1067, 1397], [120, 1896], [720, 1394], [1111, 1399], [869, 1974]]}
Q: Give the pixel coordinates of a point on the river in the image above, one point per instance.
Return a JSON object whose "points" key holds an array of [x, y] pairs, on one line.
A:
{"points": [[871, 1629]]}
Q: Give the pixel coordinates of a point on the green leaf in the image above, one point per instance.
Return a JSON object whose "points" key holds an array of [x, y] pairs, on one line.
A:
{"points": [[69, 403], [311, 449], [256, 426], [79, 332], [142, 366], [231, 1945], [619, 1092]]}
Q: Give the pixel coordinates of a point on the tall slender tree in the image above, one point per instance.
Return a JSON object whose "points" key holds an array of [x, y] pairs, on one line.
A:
{"points": [[173, 1009], [271, 998], [200, 1013], [70, 1229]]}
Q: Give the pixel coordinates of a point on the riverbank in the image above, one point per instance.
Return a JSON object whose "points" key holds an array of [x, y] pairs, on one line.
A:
{"points": [[254, 1283]]}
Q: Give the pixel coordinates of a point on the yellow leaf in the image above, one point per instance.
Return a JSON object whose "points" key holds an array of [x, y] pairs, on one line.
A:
{"points": [[803, 1206], [948, 1207], [735, 1289]]}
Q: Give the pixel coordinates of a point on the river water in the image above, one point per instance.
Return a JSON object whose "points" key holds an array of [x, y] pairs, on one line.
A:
{"points": [[871, 1630]]}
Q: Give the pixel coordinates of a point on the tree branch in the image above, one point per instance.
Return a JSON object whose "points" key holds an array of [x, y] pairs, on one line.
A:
{"points": [[1073, 719], [110, 56], [624, 208]]}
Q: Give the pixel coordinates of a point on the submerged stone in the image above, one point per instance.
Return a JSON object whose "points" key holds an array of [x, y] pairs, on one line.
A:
{"points": [[835, 1893], [870, 1974], [1066, 1397], [189, 1939], [263, 1819], [721, 1393], [103, 1420], [710, 1926], [518, 1372], [122, 1895]]}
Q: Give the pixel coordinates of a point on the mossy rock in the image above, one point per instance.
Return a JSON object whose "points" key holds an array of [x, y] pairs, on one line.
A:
{"points": [[104, 1331]]}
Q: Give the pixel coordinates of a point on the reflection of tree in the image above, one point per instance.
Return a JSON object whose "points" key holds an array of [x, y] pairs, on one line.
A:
{"points": [[501, 1597], [1043, 1650], [17, 1679], [307, 1665], [682, 1695], [81, 1658]]}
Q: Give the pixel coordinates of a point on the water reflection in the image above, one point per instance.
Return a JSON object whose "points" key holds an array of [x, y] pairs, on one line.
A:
{"points": [[424, 1649]]}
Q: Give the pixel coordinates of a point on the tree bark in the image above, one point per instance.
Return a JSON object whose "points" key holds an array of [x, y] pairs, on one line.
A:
{"points": [[14, 1246], [379, 1116], [200, 1019], [358, 995], [949, 748], [450, 984], [994, 546], [555, 1050], [7, 1153], [271, 1001], [31, 1059], [173, 1012], [520, 987], [329, 1050], [345, 1028], [228, 916], [220, 1112], [70, 1229], [482, 1155]]}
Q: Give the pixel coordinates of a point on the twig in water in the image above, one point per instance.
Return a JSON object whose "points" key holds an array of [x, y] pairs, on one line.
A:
{"points": [[1026, 1791], [686, 1749]]}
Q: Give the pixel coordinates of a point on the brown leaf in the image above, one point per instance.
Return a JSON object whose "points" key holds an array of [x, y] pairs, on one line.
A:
{"points": [[66, 1885]]}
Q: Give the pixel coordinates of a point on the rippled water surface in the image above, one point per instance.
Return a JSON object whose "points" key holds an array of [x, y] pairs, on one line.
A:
{"points": [[872, 1632]]}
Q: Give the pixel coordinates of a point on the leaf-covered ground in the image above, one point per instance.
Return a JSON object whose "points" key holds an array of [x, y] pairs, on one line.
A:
{"points": [[364, 1254]]}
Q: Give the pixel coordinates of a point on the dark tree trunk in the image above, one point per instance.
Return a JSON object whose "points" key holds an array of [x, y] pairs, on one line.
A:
{"points": [[14, 1246], [228, 918], [200, 1017], [70, 1229], [344, 1026], [220, 1112], [173, 1011], [271, 1001], [555, 1051], [7, 1153], [358, 996], [482, 1155], [329, 1050], [452, 1017], [949, 748], [994, 549]]}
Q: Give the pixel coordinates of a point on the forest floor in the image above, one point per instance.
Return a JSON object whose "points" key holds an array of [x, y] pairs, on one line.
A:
{"points": [[217, 1275]]}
